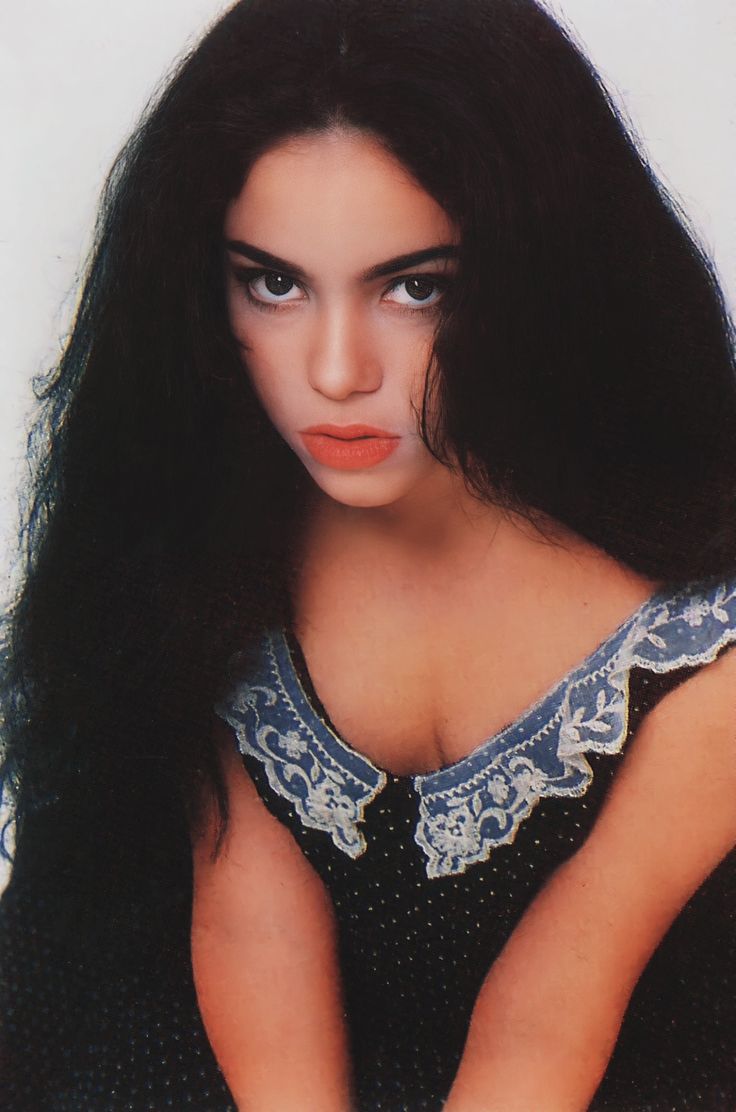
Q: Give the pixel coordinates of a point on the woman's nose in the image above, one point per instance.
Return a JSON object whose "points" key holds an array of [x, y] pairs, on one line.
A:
{"points": [[342, 358]]}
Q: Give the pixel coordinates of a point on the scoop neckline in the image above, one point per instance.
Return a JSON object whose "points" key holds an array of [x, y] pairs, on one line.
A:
{"points": [[300, 676]]}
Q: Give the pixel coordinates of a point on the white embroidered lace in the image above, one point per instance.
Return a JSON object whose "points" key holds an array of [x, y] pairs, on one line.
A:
{"points": [[478, 803]]}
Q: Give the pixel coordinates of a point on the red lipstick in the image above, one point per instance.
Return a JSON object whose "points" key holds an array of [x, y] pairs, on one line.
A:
{"points": [[348, 447]]}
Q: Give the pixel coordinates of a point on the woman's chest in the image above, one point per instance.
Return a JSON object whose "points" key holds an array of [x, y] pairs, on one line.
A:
{"points": [[422, 689], [417, 658]]}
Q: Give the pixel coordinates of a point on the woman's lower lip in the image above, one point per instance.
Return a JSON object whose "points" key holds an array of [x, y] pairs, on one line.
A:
{"points": [[349, 455]]}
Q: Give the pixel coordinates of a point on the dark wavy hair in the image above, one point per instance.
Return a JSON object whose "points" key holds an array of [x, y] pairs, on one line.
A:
{"points": [[586, 371]]}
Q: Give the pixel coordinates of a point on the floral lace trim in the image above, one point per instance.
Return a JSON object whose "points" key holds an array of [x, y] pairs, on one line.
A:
{"points": [[329, 784], [464, 813], [469, 808]]}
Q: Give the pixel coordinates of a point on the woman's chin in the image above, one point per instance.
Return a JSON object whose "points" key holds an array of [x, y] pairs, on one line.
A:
{"points": [[359, 489], [365, 488], [380, 486]]}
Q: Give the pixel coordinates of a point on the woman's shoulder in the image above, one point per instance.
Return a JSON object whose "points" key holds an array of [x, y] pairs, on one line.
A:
{"points": [[670, 812], [658, 694], [681, 641], [649, 624], [668, 819]]}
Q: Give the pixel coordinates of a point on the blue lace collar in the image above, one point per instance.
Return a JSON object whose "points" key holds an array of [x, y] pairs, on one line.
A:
{"points": [[479, 802]]}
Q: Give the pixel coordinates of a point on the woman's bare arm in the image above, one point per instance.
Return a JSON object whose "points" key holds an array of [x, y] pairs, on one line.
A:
{"points": [[548, 1015], [265, 966]]}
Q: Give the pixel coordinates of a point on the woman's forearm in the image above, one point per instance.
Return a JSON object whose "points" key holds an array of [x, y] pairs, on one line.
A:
{"points": [[548, 1014], [275, 1025], [513, 1063], [264, 956]]}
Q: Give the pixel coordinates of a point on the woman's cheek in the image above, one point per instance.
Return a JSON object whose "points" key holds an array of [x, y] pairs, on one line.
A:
{"points": [[276, 385]]}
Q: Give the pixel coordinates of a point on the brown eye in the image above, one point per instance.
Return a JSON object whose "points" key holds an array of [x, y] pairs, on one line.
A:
{"points": [[278, 284], [420, 288], [270, 287], [416, 290]]}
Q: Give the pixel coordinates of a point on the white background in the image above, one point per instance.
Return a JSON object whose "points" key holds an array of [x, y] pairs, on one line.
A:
{"points": [[74, 74]]}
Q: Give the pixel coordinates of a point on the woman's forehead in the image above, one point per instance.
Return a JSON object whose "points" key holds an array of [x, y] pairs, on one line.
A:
{"points": [[337, 199]]}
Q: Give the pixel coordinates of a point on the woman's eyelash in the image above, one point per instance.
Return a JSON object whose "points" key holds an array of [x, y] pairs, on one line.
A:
{"points": [[246, 276], [440, 281]]}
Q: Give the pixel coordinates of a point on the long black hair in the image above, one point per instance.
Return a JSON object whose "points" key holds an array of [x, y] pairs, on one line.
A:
{"points": [[586, 371]]}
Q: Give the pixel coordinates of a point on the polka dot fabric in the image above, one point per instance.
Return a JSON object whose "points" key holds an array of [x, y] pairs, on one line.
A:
{"points": [[99, 1011], [115, 1029], [415, 950]]}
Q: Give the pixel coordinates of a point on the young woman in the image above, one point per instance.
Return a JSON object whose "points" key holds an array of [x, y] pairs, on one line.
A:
{"points": [[369, 703]]}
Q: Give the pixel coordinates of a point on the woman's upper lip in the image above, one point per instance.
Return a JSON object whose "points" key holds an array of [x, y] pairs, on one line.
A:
{"points": [[348, 432]]}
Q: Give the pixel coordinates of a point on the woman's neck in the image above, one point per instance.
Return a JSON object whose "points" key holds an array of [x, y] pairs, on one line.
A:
{"points": [[437, 521], [424, 544]]}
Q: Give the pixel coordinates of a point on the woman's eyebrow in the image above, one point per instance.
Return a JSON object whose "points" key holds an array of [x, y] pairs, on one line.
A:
{"points": [[413, 258], [265, 258], [381, 270]]}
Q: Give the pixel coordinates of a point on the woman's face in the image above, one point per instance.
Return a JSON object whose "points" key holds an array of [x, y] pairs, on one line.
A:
{"points": [[337, 261]]}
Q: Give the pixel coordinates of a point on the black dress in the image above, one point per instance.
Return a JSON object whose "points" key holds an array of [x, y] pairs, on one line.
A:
{"points": [[429, 875]]}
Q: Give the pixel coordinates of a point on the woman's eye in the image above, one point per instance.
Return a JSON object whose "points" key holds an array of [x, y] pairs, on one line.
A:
{"points": [[416, 291], [271, 287]]}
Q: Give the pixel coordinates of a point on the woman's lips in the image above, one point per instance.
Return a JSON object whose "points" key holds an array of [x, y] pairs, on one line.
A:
{"points": [[348, 447]]}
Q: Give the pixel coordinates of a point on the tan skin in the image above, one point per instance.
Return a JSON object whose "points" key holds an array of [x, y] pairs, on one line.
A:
{"points": [[428, 621]]}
